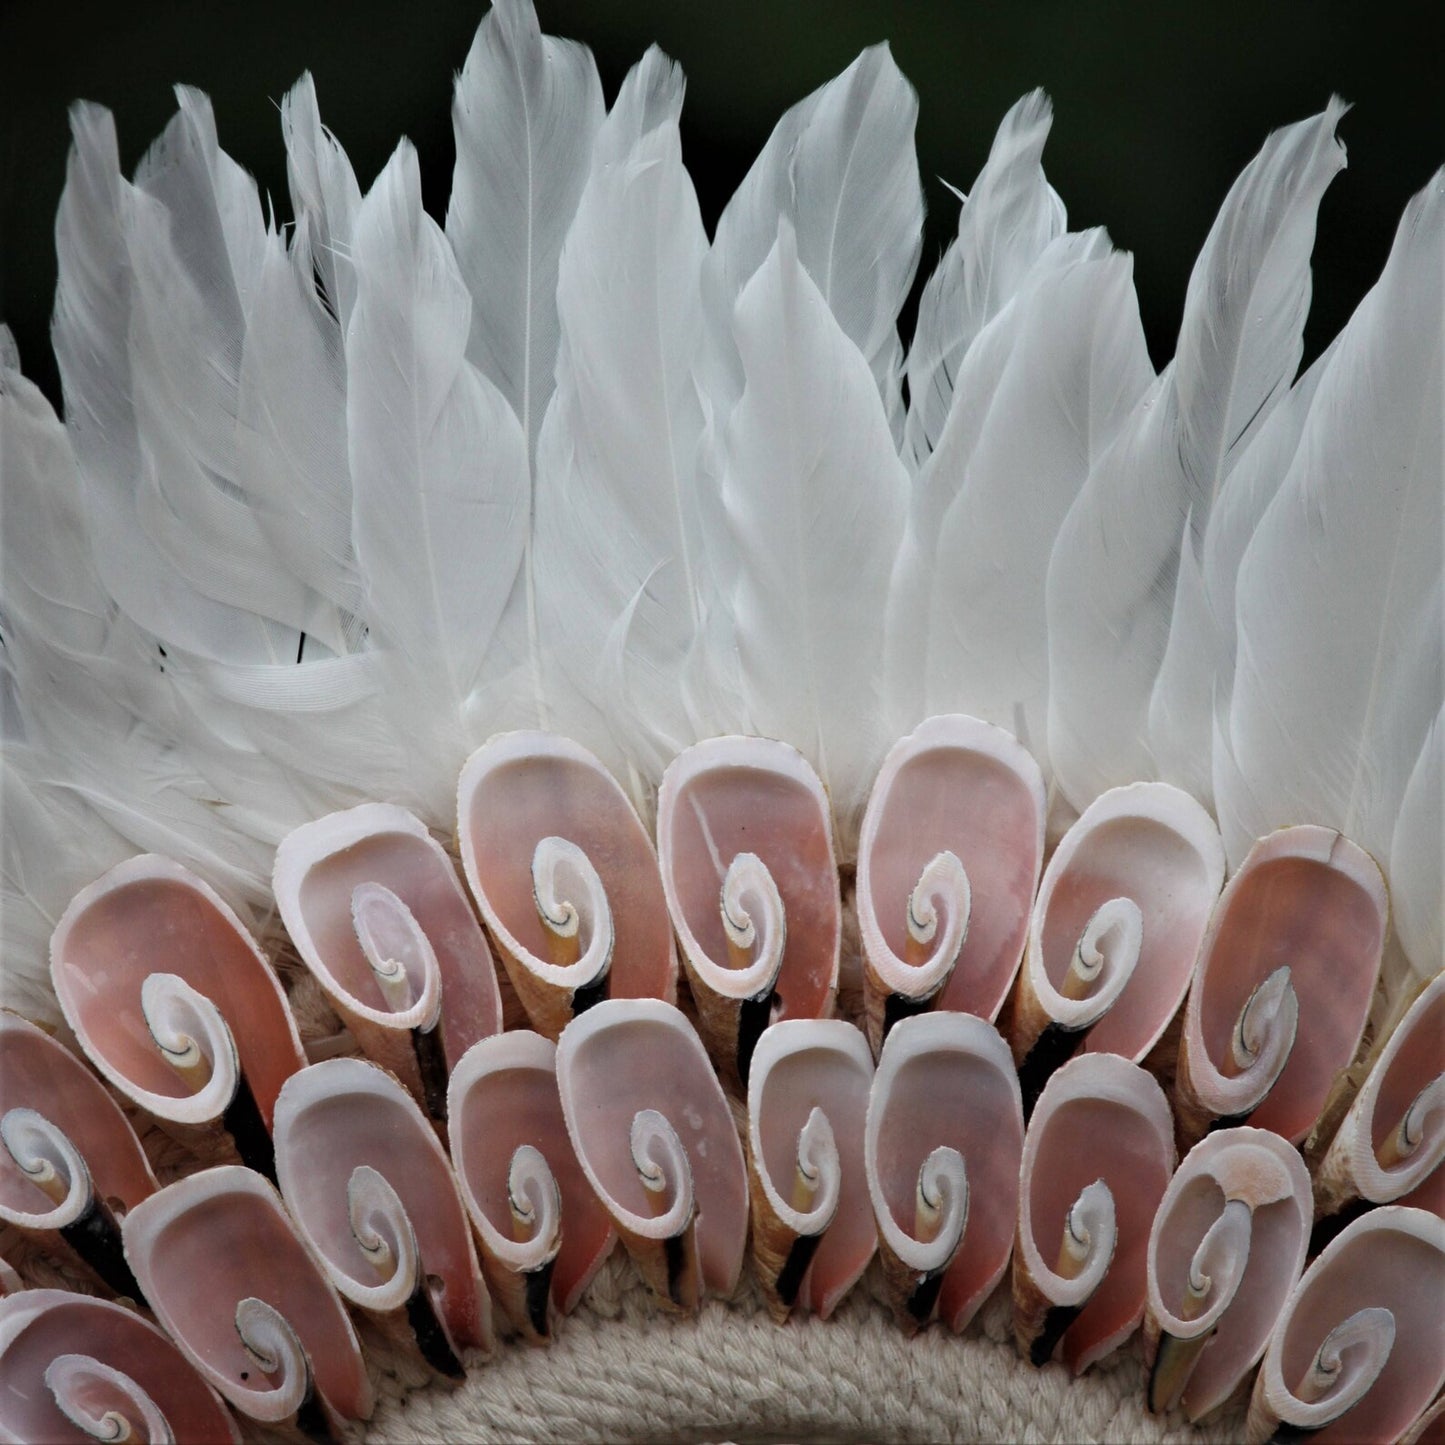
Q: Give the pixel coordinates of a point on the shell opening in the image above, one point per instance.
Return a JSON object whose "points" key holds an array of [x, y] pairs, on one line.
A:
{"points": [[1406, 1137], [194, 1040], [1086, 1249], [400, 954], [664, 1169], [271, 1342], [1107, 952], [383, 1232], [818, 1181], [572, 904], [1264, 1032], [942, 891], [940, 1213], [44, 1154], [1347, 1363], [105, 1404], [1218, 1265], [535, 1203], [754, 921]]}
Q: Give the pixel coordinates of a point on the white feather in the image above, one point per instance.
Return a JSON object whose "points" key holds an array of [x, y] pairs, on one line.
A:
{"points": [[53, 845], [324, 196], [438, 464], [912, 612], [1112, 575], [620, 564], [840, 168], [1197, 671], [1340, 598], [1417, 857], [815, 497], [1076, 365], [525, 111], [1004, 224]]}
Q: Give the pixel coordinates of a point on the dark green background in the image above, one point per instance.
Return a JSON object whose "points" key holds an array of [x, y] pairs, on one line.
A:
{"points": [[1157, 106]]}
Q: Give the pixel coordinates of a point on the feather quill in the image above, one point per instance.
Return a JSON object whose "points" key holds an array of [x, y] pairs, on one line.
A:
{"points": [[1113, 571]]}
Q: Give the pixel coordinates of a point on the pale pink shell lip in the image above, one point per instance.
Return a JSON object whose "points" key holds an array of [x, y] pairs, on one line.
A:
{"points": [[626, 1055], [36, 1072], [503, 1095], [965, 786], [1225, 1165], [1150, 843], [762, 797], [336, 1116], [800, 1065], [1392, 1258], [36, 1325], [1099, 1117], [948, 1080], [1413, 1057], [1308, 898], [317, 867], [149, 915], [521, 787], [205, 1243]]}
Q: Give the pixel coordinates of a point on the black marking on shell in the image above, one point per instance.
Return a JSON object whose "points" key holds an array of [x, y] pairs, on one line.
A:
{"points": [[1051, 1051], [1056, 1324], [431, 1335], [431, 1064], [537, 1286], [754, 1015], [95, 1237], [790, 1277], [246, 1126]]}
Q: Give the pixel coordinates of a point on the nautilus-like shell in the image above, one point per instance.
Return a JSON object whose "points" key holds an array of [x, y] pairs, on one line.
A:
{"points": [[564, 875], [656, 1139], [247, 1303], [377, 913], [1227, 1246], [948, 860], [10, 1281], [78, 1369], [1359, 1351], [1392, 1141], [1097, 1159], [745, 843], [1115, 930], [174, 1003], [1285, 978], [70, 1161], [543, 1232], [943, 1142], [372, 1192], [813, 1229]]}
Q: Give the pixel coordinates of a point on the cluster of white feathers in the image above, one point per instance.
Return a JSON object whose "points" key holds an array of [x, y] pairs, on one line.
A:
{"points": [[334, 502]]}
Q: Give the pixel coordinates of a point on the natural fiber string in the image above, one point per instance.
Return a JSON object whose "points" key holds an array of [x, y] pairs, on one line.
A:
{"points": [[621, 1371]]}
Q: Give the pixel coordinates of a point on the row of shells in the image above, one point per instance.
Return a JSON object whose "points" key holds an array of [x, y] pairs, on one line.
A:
{"points": [[1038, 1047]]}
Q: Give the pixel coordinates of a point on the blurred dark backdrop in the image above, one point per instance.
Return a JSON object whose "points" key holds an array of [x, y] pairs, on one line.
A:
{"points": [[1157, 106]]}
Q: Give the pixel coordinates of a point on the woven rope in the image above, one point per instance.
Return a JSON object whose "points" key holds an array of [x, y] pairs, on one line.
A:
{"points": [[620, 1370]]}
